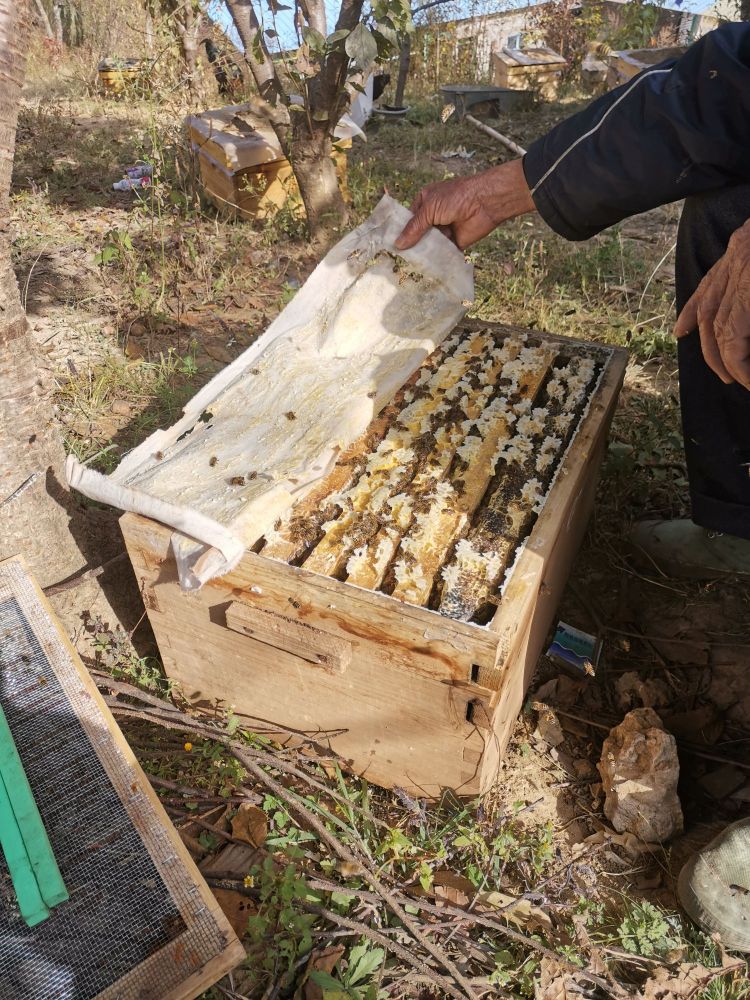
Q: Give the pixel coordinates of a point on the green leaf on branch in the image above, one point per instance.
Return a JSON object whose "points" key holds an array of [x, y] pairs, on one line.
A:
{"points": [[387, 33], [363, 962], [257, 46], [320, 116], [361, 47], [315, 41], [337, 36]]}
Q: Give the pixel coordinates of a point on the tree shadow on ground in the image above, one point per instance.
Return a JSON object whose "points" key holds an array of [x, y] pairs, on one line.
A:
{"points": [[74, 161]]}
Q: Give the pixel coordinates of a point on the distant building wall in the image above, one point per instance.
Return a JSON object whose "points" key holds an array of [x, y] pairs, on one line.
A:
{"points": [[493, 32]]}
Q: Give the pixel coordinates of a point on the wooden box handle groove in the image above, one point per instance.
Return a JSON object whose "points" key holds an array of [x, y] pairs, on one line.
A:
{"points": [[298, 638]]}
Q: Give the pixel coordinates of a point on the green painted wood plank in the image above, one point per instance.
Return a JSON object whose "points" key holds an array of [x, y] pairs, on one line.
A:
{"points": [[30, 903], [28, 820]]}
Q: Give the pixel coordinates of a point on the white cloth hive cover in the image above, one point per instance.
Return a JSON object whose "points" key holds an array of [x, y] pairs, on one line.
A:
{"points": [[260, 434]]}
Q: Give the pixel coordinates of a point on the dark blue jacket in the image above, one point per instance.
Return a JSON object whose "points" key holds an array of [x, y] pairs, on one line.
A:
{"points": [[679, 128]]}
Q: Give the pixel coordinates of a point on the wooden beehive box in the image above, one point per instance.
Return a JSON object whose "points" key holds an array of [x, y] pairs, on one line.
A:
{"points": [[535, 69], [624, 65], [242, 167], [421, 697], [116, 76]]}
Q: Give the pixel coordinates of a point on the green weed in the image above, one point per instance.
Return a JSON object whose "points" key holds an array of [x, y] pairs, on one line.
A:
{"points": [[354, 979], [646, 930], [115, 654], [280, 933], [154, 391]]}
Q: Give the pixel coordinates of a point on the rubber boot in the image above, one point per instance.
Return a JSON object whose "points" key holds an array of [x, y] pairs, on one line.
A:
{"points": [[682, 549]]}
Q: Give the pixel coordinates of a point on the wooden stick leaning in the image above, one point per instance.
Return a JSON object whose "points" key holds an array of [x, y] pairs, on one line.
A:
{"points": [[28, 820], [33, 908], [508, 143]]}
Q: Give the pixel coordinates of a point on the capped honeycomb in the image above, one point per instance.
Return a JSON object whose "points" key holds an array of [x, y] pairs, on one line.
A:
{"points": [[432, 503]]}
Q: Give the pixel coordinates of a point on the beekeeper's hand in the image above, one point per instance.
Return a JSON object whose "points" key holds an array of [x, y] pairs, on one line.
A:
{"points": [[720, 309], [468, 208]]}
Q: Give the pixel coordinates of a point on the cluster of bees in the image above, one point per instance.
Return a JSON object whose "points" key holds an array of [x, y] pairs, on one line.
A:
{"points": [[433, 502]]}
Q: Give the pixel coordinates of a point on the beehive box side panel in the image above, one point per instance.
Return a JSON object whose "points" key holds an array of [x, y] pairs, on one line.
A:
{"points": [[447, 650], [561, 508], [535, 589], [218, 185], [391, 721], [531, 637]]}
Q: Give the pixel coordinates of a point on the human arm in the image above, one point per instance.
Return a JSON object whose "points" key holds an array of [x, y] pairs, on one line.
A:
{"points": [[720, 309], [469, 208], [676, 129]]}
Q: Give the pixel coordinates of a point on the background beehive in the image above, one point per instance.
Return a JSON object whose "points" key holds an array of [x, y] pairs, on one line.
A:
{"points": [[241, 165], [536, 69]]}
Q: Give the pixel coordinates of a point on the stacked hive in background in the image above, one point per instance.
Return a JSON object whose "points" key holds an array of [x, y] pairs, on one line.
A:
{"points": [[536, 69]]}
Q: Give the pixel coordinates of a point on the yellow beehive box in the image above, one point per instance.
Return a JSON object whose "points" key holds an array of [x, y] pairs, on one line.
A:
{"points": [[537, 69], [242, 167], [116, 76], [626, 64]]}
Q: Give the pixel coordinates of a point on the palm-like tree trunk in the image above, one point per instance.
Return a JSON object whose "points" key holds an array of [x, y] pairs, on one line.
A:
{"points": [[31, 455]]}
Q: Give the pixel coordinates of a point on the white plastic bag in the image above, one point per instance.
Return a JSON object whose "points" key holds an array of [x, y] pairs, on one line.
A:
{"points": [[272, 423]]}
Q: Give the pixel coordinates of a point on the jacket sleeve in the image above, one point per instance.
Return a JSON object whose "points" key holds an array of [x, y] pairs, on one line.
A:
{"points": [[676, 129]]}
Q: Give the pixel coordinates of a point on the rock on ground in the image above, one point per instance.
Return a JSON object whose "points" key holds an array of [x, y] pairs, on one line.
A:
{"points": [[639, 769]]}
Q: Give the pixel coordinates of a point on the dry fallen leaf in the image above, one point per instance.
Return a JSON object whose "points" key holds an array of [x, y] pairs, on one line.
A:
{"points": [[237, 908], [350, 869], [521, 912], [250, 825], [321, 960], [452, 888], [548, 726], [684, 982], [554, 983], [633, 845]]}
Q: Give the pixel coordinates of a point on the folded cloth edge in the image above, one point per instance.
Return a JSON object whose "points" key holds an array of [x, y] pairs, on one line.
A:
{"points": [[183, 519]]}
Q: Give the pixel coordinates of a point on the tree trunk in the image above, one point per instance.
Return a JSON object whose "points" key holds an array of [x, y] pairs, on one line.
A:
{"points": [[31, 454], [57, 21], [318, 184], [263, 70], [43, 19], [189, 26], [307, 144], [148, 32], [403, 72]]}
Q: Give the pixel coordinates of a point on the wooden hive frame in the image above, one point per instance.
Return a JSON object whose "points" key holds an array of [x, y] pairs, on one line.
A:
{"points": [[405, 695], [200, 951]]}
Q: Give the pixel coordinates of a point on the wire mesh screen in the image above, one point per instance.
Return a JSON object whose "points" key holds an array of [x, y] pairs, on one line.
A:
{"points": [[135, 924]]}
